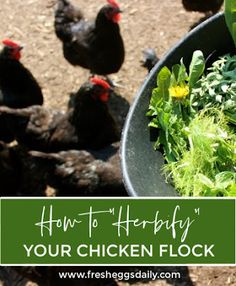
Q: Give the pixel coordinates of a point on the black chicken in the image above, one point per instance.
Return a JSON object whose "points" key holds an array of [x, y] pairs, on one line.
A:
{"points": [[204, 6], [87, 125], [118, 107], [18, 87], [19, 172], [84, 173], [149, 59], [94, 45]]}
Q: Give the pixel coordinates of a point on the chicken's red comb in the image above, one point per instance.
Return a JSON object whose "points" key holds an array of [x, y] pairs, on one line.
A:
{"points": [[10, 43], [99, 81], [113, 3]]}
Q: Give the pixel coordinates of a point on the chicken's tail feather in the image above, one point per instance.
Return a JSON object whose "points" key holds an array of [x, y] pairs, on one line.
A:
{"points": [[46, 157], [65, 15]]}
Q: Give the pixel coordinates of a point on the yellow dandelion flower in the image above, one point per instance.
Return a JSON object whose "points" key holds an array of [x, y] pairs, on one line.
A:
{"points": [[179, 91]]}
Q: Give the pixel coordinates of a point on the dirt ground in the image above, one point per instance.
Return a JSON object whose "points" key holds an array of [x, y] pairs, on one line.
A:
{"points": [[151, 23], [145, 23]]}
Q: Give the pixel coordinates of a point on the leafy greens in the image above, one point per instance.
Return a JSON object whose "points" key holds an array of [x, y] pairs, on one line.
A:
{"points": [[191, 112]]}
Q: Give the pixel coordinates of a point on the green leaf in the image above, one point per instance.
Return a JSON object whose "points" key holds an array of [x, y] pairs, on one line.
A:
{"points": [[179, 74], [163, 82], [230, 17], [182, 75], [154, 99], [224, 179], [232, 191], [205, 181], [196, 67]]}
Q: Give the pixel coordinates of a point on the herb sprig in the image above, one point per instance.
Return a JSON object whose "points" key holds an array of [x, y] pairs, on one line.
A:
{"points": [[217, 88], [170, 109]]}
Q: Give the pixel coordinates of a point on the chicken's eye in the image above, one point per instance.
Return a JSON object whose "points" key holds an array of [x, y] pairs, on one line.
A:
{"points": [[110, 13]]}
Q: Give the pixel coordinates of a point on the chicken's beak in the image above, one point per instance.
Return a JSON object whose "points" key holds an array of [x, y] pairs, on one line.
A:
{"points": [[118, 10]]}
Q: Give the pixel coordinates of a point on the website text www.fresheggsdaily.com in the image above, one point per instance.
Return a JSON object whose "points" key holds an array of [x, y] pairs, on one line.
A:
{"points": [[120, 275]]}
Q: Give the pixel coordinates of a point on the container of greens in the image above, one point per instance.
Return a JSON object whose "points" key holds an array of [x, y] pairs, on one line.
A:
{"points": [[159, 150]]}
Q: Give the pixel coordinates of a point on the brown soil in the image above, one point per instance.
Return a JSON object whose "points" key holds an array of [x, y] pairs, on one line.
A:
{"points": [[153, 23], [145, 23]]}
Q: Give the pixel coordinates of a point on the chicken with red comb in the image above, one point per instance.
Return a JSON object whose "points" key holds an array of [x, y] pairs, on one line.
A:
{"points": [[117, 16], [88, 124], [18, 87], [100, 82], [13, 49], [118, 105], [95, 45]]}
